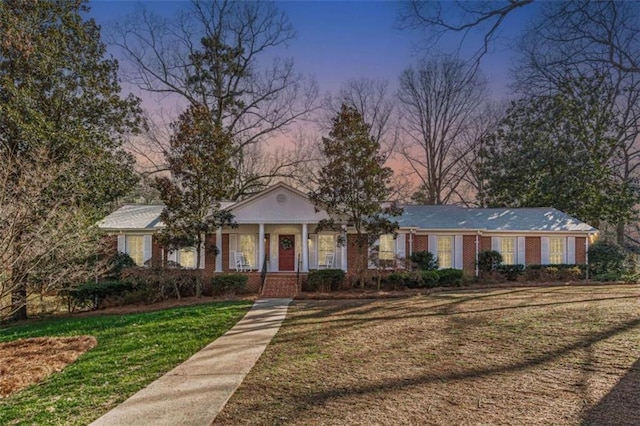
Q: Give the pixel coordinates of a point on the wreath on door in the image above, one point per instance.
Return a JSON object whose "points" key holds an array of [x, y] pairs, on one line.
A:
{"points": [[286, 244]]}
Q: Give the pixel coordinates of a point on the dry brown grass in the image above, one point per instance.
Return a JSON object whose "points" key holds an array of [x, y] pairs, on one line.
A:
{"points": [[29, 361], [555, 355]]}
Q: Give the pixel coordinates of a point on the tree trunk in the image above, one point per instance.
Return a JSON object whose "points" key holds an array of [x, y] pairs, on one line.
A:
{"points": [[18, 297], [620, 233]]}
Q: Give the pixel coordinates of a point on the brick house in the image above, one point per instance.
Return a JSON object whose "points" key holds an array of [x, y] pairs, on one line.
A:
{"points": [[277, 230]]}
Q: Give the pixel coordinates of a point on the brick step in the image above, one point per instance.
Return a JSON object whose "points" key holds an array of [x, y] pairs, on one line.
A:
{"points": [[280, 285]]}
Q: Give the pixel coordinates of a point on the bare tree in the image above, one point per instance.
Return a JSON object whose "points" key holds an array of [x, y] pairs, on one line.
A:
{"points": [[46, 241], [214, 54], [438, 18], [438, 101]]}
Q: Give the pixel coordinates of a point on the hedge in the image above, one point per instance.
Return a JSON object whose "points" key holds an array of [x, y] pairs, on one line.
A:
{"points": [[324, 280], [425, 279], [229, 284]]}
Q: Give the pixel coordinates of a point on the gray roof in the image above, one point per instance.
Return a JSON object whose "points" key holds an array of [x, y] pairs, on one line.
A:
{"points": [[133, 216], [140, 217], [502, 219], [147, 217]]}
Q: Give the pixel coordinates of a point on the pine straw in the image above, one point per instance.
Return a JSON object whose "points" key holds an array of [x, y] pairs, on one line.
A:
{"points": [[29, 361]]}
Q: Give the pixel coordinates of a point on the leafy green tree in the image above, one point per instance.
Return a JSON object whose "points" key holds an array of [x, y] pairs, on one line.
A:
{"points": [[606, 260], [60, 113], [555, 151], [354, 184], [202, 175]]}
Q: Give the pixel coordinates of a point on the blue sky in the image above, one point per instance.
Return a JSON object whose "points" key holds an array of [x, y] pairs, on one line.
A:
{"points": [[338, 40]]}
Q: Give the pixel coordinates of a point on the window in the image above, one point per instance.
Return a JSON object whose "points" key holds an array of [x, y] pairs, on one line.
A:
{"points": [[386, 251], [445, 251], [508, 250], [135, 248], [556, 251], [187, 257], [247, 245], [326, 245]]}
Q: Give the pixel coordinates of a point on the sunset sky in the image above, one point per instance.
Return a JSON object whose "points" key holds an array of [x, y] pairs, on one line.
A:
{"points": [[338, 40]]}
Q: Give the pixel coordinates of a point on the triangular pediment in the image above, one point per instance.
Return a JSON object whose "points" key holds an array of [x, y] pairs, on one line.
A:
{"points": [[278, 204]]}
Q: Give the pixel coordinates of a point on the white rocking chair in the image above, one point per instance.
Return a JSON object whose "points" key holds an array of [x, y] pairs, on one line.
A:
{"points": [[241, 263], [328, 261]]}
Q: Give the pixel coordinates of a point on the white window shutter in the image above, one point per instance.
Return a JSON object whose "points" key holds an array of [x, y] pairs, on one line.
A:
{"points": [[122, 243], [371, 264], [571, 250], [202, 254], [401, 246], [173, 256], [433, 246], [337, 260], [457, 251], [495, 244], [233, 248], [544, 251], [147, 247], [521, 251], [313, 251]]}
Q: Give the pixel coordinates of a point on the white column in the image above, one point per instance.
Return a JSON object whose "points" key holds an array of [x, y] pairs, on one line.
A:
{"points": [[305, 248], [345, 249], [260, 246], [219, 246]]}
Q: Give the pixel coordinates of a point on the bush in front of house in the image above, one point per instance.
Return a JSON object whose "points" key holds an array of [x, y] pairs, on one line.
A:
{"points": [[555, 272], [450, 277], [92, 294], [510, 272], [606, 261], [325, 280], [118, 263], [489, 261], [425, 279], [424, 261], [158, 284], [229, 284]]}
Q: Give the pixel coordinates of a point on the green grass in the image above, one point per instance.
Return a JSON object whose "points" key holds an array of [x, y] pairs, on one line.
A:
{"points": [[132, 351]]}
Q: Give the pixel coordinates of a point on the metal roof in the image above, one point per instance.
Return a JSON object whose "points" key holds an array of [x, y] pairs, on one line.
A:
{"points": [[501, 219]]}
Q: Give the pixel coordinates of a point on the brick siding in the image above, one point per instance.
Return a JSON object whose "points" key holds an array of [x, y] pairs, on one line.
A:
{"points": [[485, 243], [469, 254], [532, 250], [355, 259], [420, 243], [581, 255]]}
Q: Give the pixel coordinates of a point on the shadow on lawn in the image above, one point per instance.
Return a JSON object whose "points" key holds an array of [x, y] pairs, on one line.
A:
{"points": [[621, 406], [621, 403], [365, 311]]}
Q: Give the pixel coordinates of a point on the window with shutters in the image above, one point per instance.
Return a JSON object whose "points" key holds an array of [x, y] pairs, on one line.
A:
{"points": [[556, 251], [508, 250], [187, 257], [135, 248], [326, 245], [445, 251], [386, 249], [247, 245]]}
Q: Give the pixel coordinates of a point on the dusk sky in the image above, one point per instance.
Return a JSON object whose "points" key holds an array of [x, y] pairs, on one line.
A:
{"points": [[338, 40]]}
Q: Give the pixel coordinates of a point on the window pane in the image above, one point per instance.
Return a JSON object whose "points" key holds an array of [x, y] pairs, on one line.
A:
{"points": [[135, 248], [326, 244], [508, 250], [386, 251], [445, 249], [556, 250], [248, 248], [187, 257]]}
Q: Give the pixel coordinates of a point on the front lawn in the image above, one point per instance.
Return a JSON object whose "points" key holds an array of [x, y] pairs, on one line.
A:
{"points": [[132, 351], [553, 355]]}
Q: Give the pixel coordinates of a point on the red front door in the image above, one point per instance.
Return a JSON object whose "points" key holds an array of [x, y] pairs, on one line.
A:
{"points": [[286, 252]]}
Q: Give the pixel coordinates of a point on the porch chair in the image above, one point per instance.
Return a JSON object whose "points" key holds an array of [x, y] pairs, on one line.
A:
{"points": [[241, 263], [328, 261]]}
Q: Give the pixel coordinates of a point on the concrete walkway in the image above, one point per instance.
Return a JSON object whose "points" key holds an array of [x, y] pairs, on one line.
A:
{"points": [[194, 392]]}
